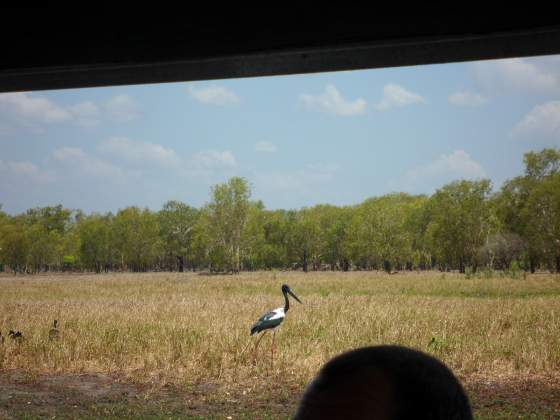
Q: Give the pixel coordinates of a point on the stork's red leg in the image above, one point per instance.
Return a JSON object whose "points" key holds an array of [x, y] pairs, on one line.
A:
{"points": [[257, 346], [272, 350]]}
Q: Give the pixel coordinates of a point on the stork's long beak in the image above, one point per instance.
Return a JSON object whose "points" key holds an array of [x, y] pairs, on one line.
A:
{"points": [[294, 296]]}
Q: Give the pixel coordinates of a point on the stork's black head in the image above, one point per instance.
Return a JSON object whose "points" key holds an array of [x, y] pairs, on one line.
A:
{"points": [[286, 289]]}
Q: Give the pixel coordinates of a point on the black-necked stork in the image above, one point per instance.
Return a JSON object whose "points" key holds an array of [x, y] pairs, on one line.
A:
{"points": [[271, 320]]}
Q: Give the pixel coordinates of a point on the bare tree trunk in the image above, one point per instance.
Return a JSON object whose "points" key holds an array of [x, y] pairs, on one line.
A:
{"points": [[532, 264], [387, 266], [237, 259]]}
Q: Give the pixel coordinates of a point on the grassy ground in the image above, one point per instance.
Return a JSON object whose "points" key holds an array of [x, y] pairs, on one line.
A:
{"points": [[178, 345]]}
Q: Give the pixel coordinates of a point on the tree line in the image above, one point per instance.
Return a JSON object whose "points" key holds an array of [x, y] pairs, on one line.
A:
{"points": [[464, 225]]}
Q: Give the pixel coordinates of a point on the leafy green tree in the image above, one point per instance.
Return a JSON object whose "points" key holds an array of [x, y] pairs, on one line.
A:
{"points": [[540, 165], [525, 203], [136, 236], [543, 211], [461, 221], [304, 238], [96, 249], [68, 248], [320, 233], [417, 224], [228, 214], [205, 248], [55, 218], [275, 250], [254, 247], [335, 223], [177, 222], [14, 245], [378, 233], [42, 247]]}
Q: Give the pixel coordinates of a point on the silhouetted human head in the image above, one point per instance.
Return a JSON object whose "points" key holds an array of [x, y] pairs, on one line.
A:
{"points": [[384, 382]]}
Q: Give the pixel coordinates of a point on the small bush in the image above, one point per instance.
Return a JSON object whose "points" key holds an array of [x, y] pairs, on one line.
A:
{"points": [[515, 271]]}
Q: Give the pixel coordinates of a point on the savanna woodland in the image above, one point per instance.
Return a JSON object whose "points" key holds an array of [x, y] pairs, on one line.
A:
{"points": [[464, 225], [137, 340]]}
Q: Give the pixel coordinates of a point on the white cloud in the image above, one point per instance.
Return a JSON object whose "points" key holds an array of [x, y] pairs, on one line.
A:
{"points": [[24, 169], [75, 159], [122, 108], [140, 152], [30, 111], [85, 113], [332, 102], [265, 147], [18, 166], [458, 164], [214, 159], [213, 95], [28, 108], [467, 98], [542, 121], [516, 75], [396, 96]]}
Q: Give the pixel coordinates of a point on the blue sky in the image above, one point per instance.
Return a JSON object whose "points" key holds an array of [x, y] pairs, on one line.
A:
{"points": [[300, 140]]}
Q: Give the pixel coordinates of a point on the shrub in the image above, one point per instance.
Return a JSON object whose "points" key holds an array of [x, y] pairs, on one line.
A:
{"points": [[515, 271]]}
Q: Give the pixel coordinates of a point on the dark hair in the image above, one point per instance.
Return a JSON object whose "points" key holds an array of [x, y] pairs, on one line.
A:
{"points": [[384, 382]]}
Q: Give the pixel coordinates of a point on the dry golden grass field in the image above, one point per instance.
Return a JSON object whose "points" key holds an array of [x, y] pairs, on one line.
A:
{"points": [[177, 345]]}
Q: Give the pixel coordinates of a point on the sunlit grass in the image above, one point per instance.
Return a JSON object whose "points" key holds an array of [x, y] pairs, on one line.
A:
{"points": [[187, 328]]}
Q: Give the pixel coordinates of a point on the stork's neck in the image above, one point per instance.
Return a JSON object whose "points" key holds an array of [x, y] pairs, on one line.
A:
{"points": [[287, 302]]}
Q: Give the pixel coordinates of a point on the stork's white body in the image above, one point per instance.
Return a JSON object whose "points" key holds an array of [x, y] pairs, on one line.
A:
{"points": [[278, 313], [271, 320]]}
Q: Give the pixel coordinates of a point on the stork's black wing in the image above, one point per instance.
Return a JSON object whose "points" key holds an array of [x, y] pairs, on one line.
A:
{"points": [[265, 322]]}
